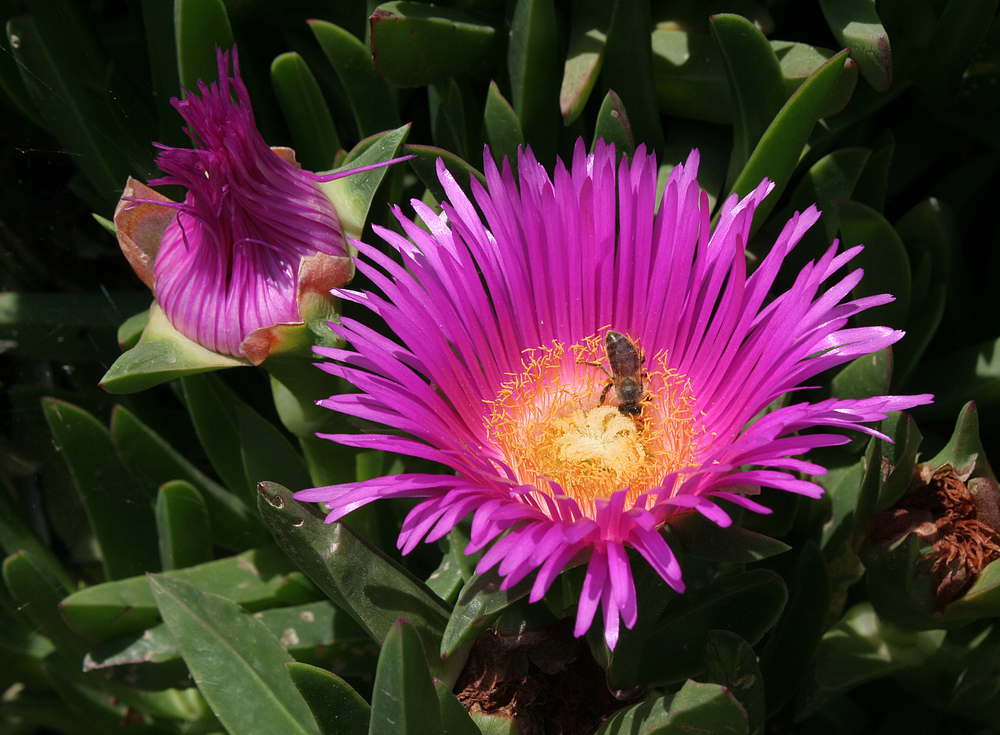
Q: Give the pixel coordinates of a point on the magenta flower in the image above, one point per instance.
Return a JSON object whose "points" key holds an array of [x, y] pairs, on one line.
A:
{"points": [[500, 327], [253, 240]]}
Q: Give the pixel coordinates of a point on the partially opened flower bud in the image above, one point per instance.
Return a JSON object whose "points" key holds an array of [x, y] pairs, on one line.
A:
{"points": [[253, 242]]}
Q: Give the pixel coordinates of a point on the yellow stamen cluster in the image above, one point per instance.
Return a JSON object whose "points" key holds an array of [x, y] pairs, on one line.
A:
{"points": [[548, 423]]}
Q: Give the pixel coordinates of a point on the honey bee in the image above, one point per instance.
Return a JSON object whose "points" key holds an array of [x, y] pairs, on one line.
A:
{"points": [[626, 375]]}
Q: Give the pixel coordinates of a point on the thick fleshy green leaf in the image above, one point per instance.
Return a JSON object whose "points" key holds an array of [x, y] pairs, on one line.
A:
{"points": [[59, 57], [799, 61], [479, 604], [455, 568], [454, 719], [354, 573], [403, 700], [588, 34], [502, 128], [71, 327], [865, 376], [352, 195], [861, 648], [790, 648], [338, 709], [316, 633], [691, 79], [830, 179], [200, 26], [255, 579], [533, 66], [161, 355], [152, 461], [212, 407], [961, 27], [964, 450], [16, 535], [628, 70], [425, 164], [856, 25], [872, 187], [237, 663], [267, 454], [748, 604], [613, 125], [697, 707], [113, 500], [779, 149], [842, 486], [161, 50], [373, 101], [182, 526], [413, 44], [929, 235], [755, 84], [732, 663], [884, 259], [37, 592], [733, 545], [447, 110], [305, 111], [102, 712]]}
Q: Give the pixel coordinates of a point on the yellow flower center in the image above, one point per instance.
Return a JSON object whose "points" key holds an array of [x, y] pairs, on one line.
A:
{"points": [[550, 424]]}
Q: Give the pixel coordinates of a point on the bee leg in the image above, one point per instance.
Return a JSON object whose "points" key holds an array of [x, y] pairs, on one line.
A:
{"points": [[604, 393]]}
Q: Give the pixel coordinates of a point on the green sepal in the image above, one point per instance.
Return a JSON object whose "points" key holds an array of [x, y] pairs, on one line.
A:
{"points": [[153, 462], [237, 662], [111, 498], [614, 127], [704, 539], [501, 126], [356, 575], [860, 648], [777, 153], [316, 633], [414, 44], [856, 25], [256, 579], [373, 101], [352, 195], [305, 111], [338, 709], [732, 663], [588, 35], [162, 354], [130, 330], [697, 707], [404, 701], [746, 603], [182, 526], [200, 26]]}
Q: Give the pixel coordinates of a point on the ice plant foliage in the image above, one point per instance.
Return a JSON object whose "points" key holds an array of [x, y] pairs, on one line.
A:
{"points": [[254, 234], [501, 363]]}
